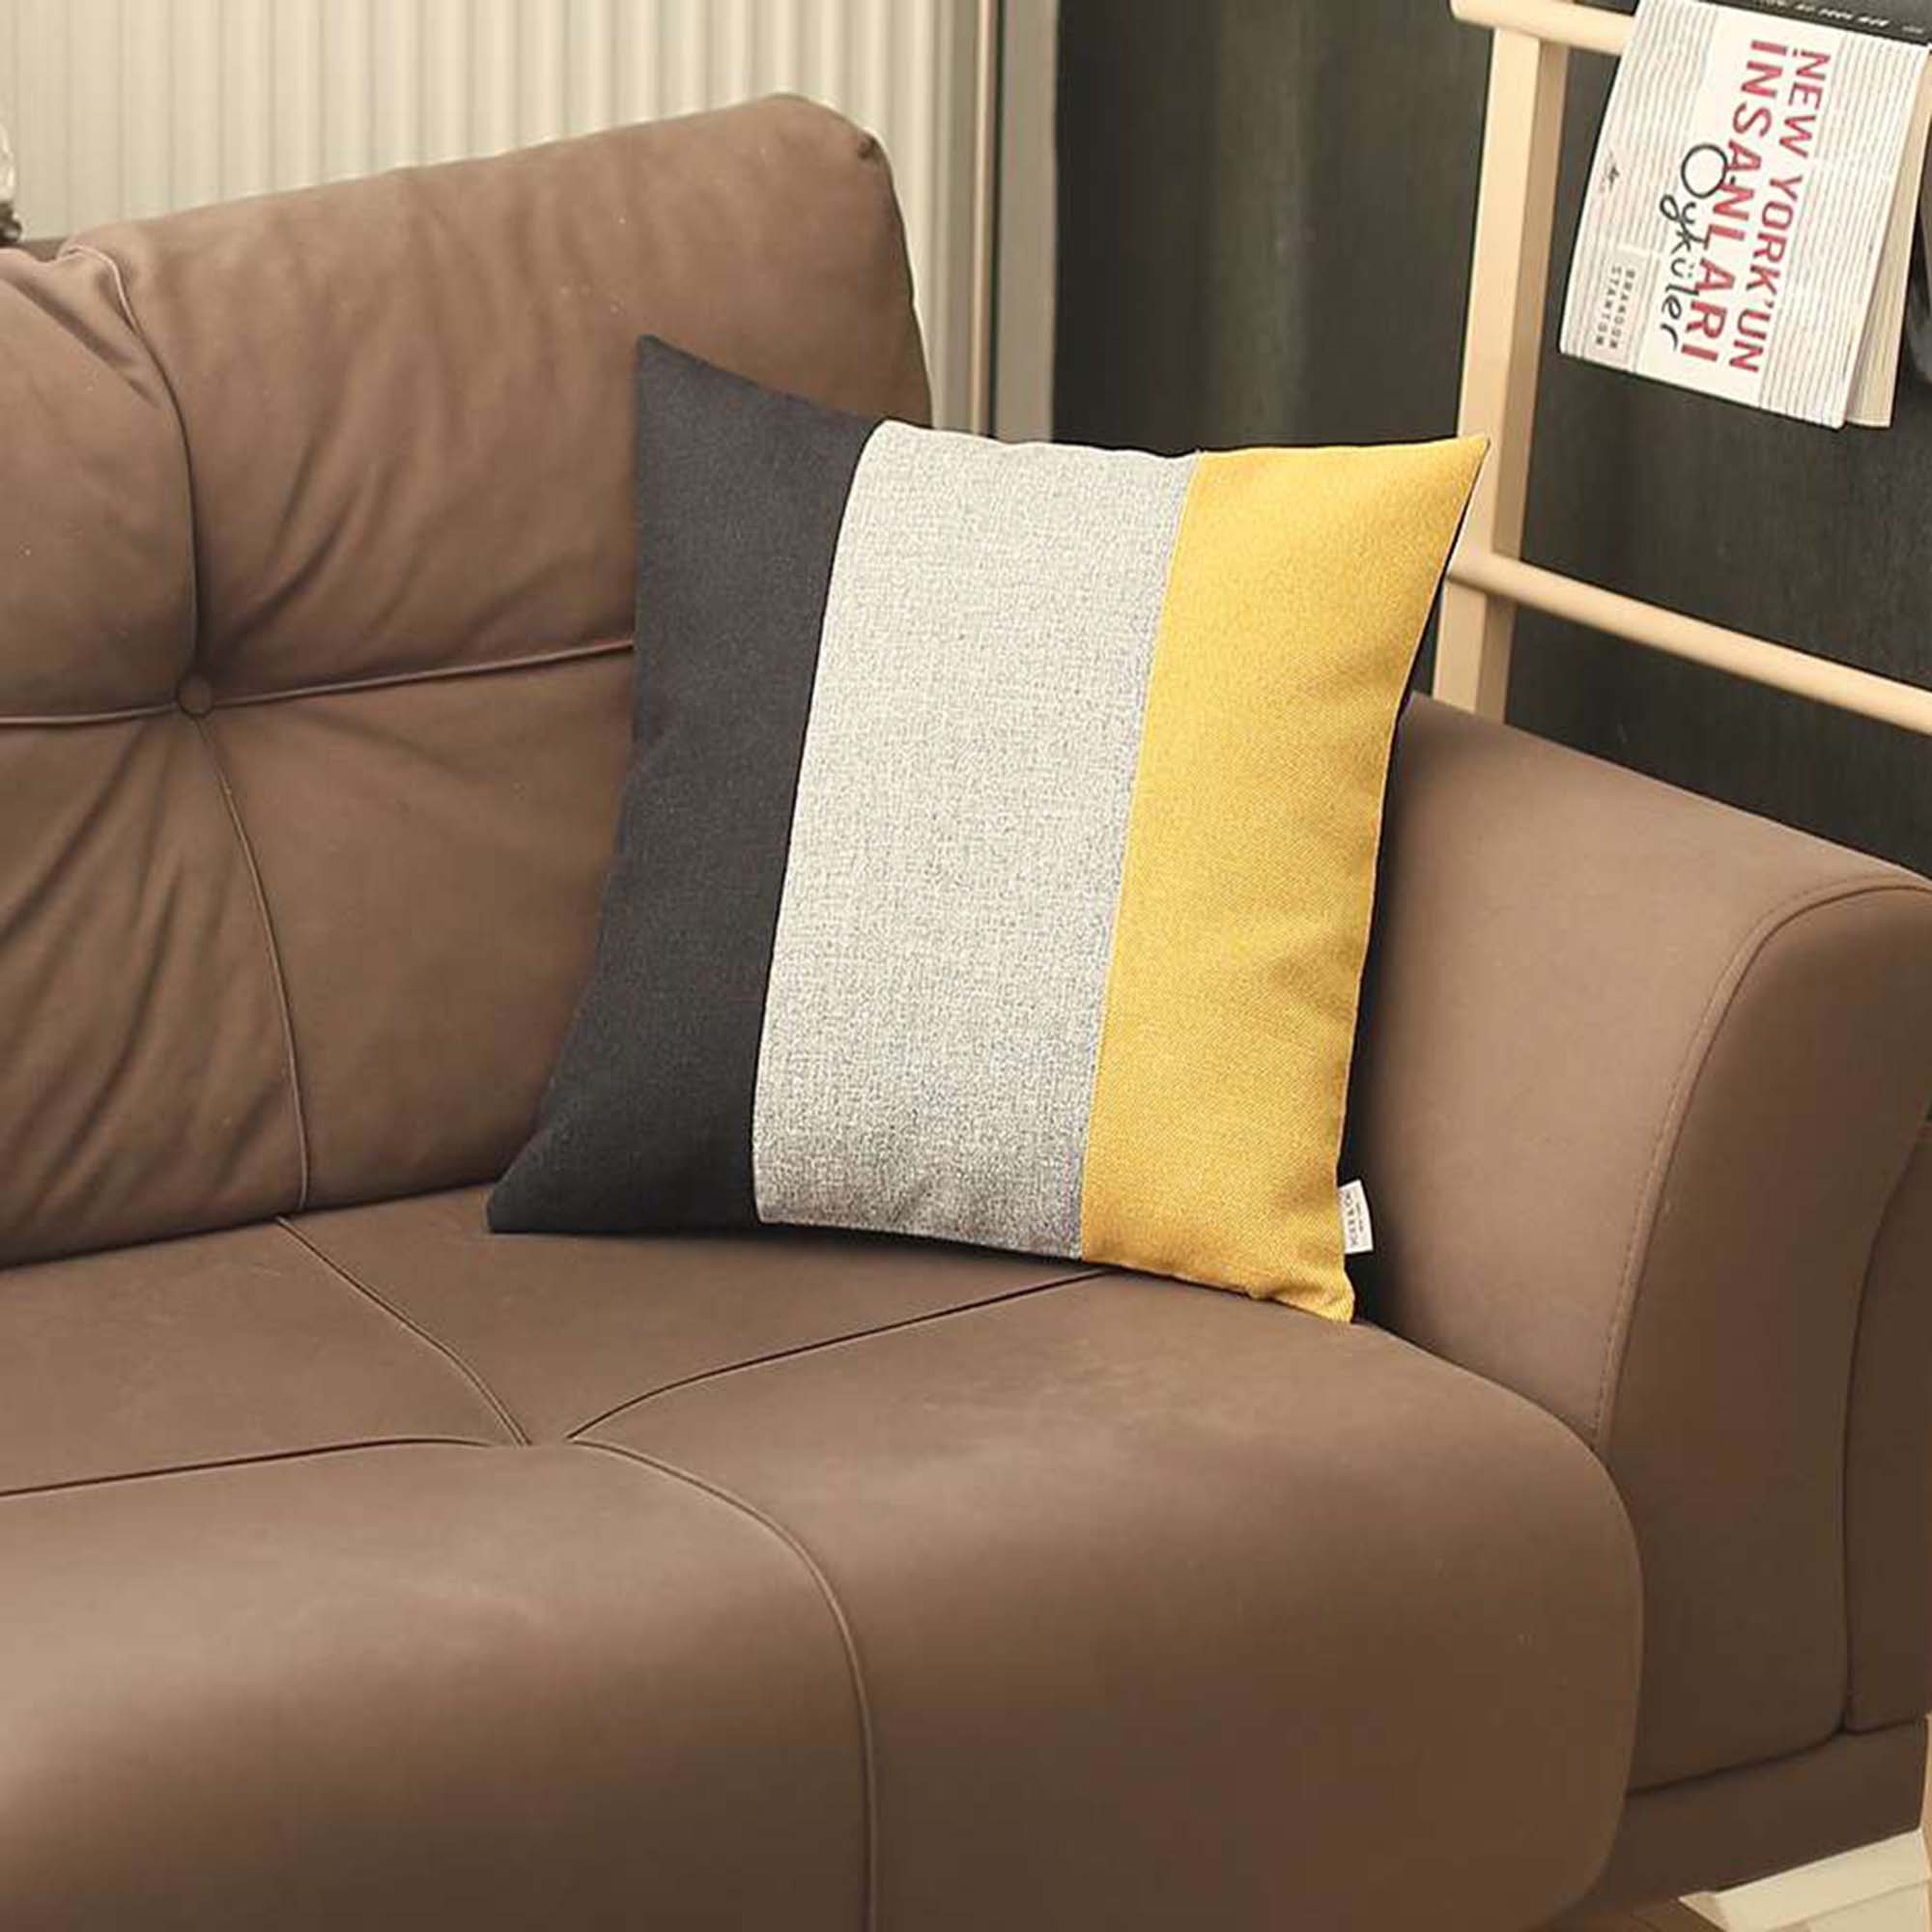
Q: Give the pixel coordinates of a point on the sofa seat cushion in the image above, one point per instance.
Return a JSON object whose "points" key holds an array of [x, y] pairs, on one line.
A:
{"points": [[803, 1580], [418, 1687], [1173, 1609]]}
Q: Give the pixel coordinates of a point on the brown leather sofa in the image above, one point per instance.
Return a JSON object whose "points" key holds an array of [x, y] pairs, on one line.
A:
{"points": [[359, 1569]]}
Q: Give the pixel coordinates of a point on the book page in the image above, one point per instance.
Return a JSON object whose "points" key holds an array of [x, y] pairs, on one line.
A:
{"points": [[1875, 374], [1740, 199]]}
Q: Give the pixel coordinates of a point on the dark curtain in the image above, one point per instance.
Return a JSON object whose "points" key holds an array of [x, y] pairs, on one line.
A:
{"points": [[1266, 215]]}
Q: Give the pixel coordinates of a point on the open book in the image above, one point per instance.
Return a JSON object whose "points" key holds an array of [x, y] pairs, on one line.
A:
{"points": [[1748, 228]]}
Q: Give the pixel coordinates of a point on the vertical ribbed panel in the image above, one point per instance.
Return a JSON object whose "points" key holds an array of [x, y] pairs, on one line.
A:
{"points": [[93, 66], [147, 145], [543, 24], [591, 50], [295, 105], [38, 120], [247, 99], [9, 93], [448, 80], [396, 89], [348, 91], [194, 118], [131, 107]]}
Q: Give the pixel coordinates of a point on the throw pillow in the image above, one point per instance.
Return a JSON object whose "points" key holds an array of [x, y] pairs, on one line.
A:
{"points": [[998, 852]]}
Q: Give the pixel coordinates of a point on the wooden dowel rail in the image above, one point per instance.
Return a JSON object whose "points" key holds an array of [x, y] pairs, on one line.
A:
{"points": [[1488, 580], [1658, 628], [1560, 23]]}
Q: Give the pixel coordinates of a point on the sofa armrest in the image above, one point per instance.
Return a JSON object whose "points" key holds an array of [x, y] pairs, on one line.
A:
{"points": [[1639, 1078]]}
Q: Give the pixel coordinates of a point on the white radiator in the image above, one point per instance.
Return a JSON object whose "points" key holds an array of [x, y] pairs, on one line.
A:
{"points": [[132, 108]]}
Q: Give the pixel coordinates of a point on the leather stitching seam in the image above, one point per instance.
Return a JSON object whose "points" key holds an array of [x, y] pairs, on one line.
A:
{"points": [[632, 1404], [277, 979], [131, 714], [565, 654], [1720, 1774], [861, 1702], [472, 1376], [314, 1452]]}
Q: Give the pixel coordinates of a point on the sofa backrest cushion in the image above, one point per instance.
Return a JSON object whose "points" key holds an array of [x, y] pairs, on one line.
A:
{"points": [[315, 615]]}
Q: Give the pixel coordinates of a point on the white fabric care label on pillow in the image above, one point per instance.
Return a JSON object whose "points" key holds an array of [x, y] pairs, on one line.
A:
{"points": [[1359, 1232]]}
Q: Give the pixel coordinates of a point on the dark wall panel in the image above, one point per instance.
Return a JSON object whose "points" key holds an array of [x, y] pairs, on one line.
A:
{"points": [[1243, 183], [1265, 214]]}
